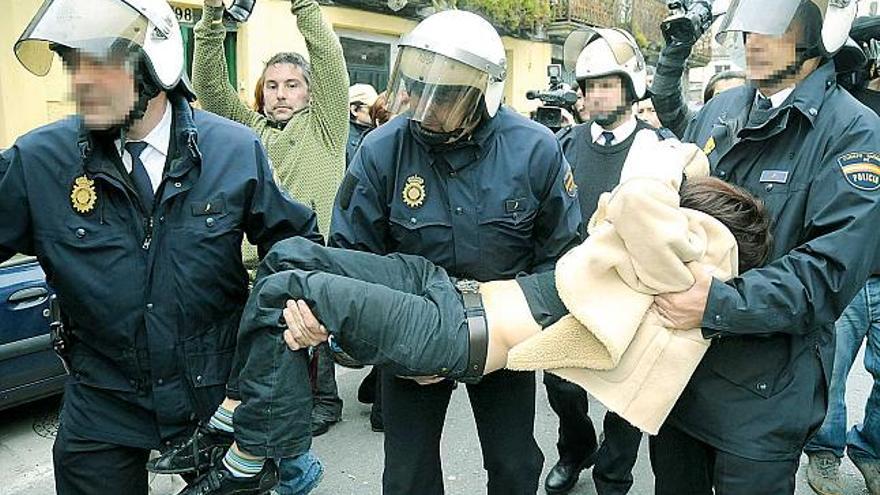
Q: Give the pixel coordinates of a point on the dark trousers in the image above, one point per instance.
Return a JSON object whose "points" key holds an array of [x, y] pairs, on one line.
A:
{"points": [[400, 312], [328, 405], [504, 410], [85, 467], [684, 465], [616, 457]]}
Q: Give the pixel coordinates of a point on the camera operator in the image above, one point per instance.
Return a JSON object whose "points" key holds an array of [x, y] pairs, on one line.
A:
{"points": [[558, 101]]}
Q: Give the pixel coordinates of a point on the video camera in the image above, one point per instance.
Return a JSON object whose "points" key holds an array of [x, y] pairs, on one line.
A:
{"points": [[558, 96], [689, 20], [240, 10]]}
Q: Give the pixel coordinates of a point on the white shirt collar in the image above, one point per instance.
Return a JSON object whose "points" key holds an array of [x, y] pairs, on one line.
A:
{"points": [[779, 97], [621, 133], [159, 138]]}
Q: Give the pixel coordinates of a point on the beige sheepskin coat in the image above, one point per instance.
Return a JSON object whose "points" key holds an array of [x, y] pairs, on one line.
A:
{"points": [[641, 244]]}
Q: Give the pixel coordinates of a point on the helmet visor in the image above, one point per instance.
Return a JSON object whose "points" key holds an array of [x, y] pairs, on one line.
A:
{"points": [[105, 30], [441, 93], [757, 16], [760, 17]]}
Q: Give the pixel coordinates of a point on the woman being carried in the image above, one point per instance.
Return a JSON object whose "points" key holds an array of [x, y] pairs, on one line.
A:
{"points": [[406, 314]]}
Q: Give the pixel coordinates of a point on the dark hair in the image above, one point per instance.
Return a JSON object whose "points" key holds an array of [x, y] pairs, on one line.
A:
{"points": [[726, 75], [292, 58], [743, 214]]}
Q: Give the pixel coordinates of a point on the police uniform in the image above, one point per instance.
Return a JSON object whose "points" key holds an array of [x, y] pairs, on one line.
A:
{"points": [[596, 168], [496, 204], [153, 301], [760, 392]]}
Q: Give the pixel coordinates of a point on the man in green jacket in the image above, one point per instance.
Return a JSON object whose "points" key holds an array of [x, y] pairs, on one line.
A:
{"points": [[301, 117]]}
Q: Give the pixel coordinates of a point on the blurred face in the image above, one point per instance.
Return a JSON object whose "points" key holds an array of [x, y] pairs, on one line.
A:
{"points": [[605, 99], [284, 91], [768, 56], [360, 112], [104, 90]]}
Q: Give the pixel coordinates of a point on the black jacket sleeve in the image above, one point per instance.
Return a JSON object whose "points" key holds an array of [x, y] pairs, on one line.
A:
{"points": [[360, 213], [273, 215], [16, 234], [666, 91], [812, 284], [558, 225]]}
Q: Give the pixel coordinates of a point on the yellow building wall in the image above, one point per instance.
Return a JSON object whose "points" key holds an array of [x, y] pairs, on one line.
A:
{"points": [[27, 101]]}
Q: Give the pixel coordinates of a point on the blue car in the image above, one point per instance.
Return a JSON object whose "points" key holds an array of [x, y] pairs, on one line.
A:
{"points": [[29, 369]]}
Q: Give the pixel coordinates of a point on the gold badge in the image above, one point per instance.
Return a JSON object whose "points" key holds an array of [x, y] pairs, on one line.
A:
{"points": [[83, 196], [709, 147], [414, 191]]}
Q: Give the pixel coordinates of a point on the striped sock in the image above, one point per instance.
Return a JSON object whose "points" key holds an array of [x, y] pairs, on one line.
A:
{"points": [[222, 420], [240, 466]]}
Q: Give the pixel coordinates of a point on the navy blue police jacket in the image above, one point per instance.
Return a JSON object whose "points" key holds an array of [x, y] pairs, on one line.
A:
{"points": [[761, 389], [153, 301], [500, 203]]}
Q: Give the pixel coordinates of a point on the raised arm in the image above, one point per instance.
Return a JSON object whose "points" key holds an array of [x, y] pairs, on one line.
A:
{"points": [[210, 76], [328, 114]]}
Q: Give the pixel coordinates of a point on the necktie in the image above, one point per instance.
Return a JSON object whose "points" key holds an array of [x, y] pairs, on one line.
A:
{"points": [[139, 176], [608, 138], [763, 103]]}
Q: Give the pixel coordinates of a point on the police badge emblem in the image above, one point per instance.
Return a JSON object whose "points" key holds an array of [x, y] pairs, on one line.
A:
{"points": [[83, 195], [861, 170], [414, 191]]}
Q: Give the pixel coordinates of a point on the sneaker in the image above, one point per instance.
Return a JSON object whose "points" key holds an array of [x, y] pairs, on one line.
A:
{"points": [[870, 469], [823, 473], [195, 454], [219, 481]]}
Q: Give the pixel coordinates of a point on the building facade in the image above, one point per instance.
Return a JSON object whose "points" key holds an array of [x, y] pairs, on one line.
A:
{"points": [[369, 35]]}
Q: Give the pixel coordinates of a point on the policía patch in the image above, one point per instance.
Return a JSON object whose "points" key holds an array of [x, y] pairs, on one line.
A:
{"points": [[862, 170], [414, 191], [83, 196]]}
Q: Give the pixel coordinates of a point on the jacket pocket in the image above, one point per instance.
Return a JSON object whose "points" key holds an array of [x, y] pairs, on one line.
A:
{"points": [[757, 364]]}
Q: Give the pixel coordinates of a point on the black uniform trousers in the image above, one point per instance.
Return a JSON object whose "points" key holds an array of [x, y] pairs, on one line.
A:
{"points": [[89, 467], [504, 410], [684, 465], [616, 456]]}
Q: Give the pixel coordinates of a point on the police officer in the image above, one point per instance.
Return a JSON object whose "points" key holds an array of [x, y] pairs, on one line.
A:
{"points": [[810, 151], [136, 209], [478, 190], [859, 324], [612, 76]]}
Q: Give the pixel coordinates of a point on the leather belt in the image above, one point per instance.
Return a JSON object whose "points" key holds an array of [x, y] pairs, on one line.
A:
{"points": [[478, 330]]}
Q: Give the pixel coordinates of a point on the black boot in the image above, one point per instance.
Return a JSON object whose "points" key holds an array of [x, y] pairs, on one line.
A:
{"points": [[564, 475], [195, 454], [219, 481]]}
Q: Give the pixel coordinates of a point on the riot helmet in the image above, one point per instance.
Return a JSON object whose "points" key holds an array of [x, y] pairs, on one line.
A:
{"points": [[447, 83]]}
